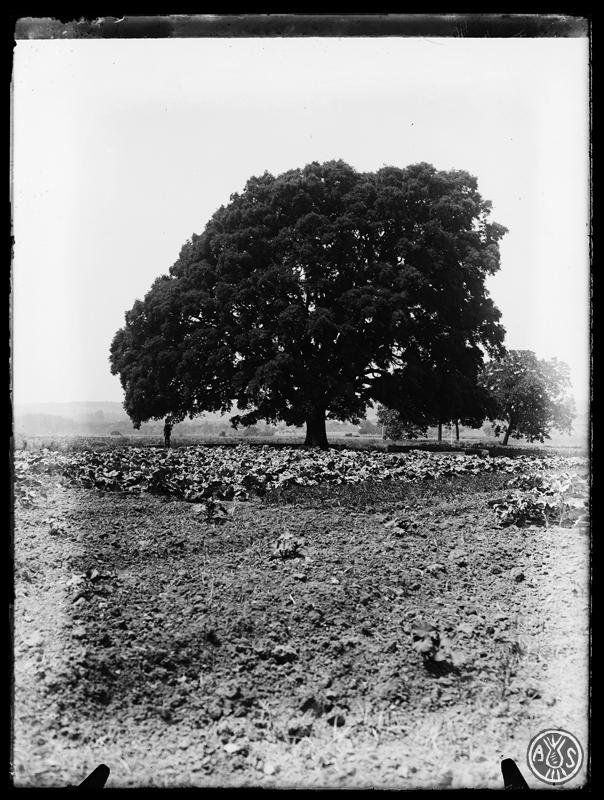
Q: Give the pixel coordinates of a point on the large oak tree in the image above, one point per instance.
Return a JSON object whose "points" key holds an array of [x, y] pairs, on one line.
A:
{"points": [[315, 292]]}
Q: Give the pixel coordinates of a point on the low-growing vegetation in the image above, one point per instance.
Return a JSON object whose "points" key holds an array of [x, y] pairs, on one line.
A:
{"points": [[279, 616], [202, 474]]}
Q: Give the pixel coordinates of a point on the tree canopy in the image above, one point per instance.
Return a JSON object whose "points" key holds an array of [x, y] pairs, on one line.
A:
{"points": [[531, 395], [315, 292]]}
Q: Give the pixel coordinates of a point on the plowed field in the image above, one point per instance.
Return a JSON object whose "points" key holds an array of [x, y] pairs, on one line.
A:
{"points": [[251, 617]]}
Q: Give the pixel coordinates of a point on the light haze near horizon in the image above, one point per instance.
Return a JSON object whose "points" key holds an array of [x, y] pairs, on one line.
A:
{"points": [[124, 148]]}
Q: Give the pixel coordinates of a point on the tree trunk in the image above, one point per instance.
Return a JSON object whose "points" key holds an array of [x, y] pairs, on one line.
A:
{"points": [[316, 435], [167, 433], [507, 435], [440, 431], [456, 430]]}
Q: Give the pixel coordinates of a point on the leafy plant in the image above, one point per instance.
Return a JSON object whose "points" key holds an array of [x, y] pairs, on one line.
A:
{"points": [[215, 512], [288, 546], [540, 500], [527, 508], [435, 650]]}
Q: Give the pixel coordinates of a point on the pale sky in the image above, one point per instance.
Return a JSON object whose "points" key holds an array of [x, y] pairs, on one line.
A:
{"points": [[124, 148]]}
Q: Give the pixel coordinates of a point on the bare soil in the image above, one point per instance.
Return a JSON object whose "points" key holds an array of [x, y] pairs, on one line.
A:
{"points": [[185, 653]]}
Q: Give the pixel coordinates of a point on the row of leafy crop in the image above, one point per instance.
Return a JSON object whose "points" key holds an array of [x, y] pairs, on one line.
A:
{"points": [[197, 474], [539, 499]]}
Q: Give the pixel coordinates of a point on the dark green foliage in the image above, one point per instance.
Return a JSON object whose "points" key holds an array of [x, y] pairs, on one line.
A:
{"points": [[315, 292], [531, 395]]}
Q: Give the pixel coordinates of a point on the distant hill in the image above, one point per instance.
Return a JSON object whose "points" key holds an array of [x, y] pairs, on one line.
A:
{"points": [[103, 418], [96, 419], [76, 409]]}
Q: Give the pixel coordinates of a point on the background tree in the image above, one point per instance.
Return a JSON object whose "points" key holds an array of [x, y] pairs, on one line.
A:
{"points": [[253, 430], [531, 395], [315, 292], [457, 397], [396, 427], [368, 428], [448, 393]]}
